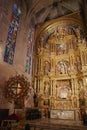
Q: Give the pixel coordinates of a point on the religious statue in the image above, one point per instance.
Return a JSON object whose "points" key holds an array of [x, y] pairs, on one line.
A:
{"points": [[60, 49], [46, 68], [46, 88], [75, 101], [63, 67]]}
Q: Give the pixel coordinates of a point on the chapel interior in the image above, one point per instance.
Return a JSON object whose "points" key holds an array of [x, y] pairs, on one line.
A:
{"points": [[43, 64]]}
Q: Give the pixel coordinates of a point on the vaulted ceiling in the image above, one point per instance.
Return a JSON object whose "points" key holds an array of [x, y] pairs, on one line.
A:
{"points": [[54, 9], [43, 10]]}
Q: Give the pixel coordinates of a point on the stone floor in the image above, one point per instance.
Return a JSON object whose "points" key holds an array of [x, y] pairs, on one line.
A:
{"points": [[54, 124]]}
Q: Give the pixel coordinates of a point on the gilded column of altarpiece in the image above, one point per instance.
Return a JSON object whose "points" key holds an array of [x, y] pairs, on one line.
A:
{"points": [[61, 64]]}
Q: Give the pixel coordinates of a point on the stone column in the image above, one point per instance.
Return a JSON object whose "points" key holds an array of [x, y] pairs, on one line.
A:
{"points": [[41, 65], [76, 86], [51, 85], [72, 83], [76, 91]]}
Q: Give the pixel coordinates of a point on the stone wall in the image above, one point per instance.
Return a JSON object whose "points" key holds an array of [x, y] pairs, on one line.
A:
{"points": [[7, 70]]}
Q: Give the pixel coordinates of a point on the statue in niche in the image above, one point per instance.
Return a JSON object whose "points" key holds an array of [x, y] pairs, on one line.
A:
{"points": [[83, 41], [78, 64], [82, 97], [60, 30], [39, 49], [80, 83], [77, 30], [79, 33], [63, 89], [66, 67], [75, 102], [57, 90], [46, 88], [72, 60], [63, 92], [60, 49], [46, 68], [63, 67]]}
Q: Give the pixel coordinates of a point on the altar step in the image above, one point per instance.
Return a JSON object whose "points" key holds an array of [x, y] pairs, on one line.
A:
{"points": [[52, 124]]}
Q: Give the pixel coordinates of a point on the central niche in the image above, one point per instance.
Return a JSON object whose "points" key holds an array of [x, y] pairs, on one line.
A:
{"points": [[61, 49], [63, 89], [63, 67]]}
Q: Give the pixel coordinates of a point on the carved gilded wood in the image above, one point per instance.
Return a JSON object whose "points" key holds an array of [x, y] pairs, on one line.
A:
{"points": [[61, 76]]}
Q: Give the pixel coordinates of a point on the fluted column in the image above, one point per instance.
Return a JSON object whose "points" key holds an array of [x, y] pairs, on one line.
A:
{"points": [[76, 91], [51, 81], [41, 65], [73, 89], [82, 58], [76, 86]]}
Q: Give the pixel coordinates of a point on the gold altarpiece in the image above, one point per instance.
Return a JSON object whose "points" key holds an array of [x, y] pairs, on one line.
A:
{"points": [[60, 75]]}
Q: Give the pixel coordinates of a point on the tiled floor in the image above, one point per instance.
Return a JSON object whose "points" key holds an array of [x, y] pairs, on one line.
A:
{"points": [[53, 124]]}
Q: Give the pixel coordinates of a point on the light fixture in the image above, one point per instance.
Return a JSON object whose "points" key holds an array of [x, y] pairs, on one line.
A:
{"points": [[17, 87]]}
